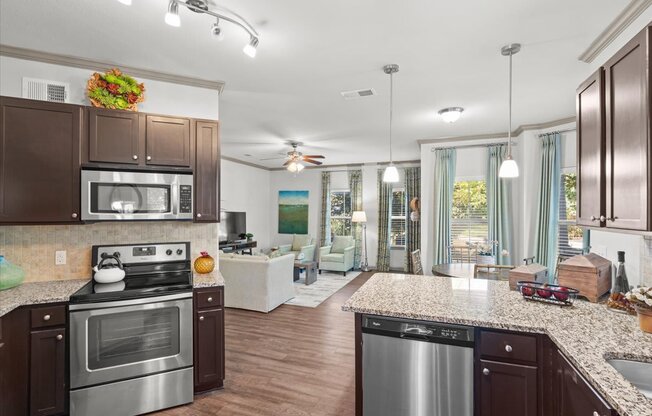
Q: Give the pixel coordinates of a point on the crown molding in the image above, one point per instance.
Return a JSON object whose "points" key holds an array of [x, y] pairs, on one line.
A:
{"points": [[76, 62], [242, 162], [490, 136], [633, 10]]}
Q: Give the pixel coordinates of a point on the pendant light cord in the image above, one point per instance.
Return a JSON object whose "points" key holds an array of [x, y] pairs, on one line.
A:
{"points": [[391, 106], [509, 131]]}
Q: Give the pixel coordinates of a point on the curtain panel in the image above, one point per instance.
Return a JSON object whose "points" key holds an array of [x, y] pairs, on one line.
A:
{"points": [[499, 206], [384, 204], [325, 215], [443, 205], [412, 228], [355, 187], [547, 226]]}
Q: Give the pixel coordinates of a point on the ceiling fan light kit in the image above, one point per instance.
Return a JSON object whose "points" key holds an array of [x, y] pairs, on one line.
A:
{"points": [[509, 167], [391, 173], [451, 114], [173, 19]]}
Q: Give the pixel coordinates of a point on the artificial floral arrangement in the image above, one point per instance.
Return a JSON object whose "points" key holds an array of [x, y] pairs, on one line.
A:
{"points": [[115, 90]]}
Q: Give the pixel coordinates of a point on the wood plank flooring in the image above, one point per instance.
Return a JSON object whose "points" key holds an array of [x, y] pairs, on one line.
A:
{"points": [[294, 361]]}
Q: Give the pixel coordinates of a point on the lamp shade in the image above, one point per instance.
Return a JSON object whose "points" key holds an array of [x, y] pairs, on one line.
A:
{"points": [[359, 216], [508, 169], [391, 174]]}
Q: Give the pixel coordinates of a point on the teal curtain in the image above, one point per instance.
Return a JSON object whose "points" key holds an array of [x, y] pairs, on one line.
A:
{"points": [[547, 226], [499, 205], [355, 186], [443, 203], [412, 228], [325, 215], [586, 241], [384, 204]]}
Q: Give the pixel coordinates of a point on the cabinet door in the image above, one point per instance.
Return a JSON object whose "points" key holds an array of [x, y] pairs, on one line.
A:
{"points": [[39, 161], [47, 372], [590, 150], [507, 389], [209, 349], [627, 117], [113, 136], [168, 141], [207, 173], [575, 396]]}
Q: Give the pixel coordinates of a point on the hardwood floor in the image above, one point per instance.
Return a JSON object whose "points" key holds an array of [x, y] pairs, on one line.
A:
{"points": [[293, 361]]}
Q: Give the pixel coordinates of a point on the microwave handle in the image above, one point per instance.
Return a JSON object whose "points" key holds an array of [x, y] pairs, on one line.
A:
{"points": [[174, 205]]}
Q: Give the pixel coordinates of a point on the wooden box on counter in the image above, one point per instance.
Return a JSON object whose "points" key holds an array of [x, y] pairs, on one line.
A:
{"points": [[531, 272], [590, 274]]}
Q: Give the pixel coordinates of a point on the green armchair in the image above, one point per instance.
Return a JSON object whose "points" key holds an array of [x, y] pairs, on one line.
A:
{"points": [[301, 244], [339, 256]]}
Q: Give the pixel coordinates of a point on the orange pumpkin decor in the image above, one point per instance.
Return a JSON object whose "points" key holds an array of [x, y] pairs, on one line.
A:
{"points": [[204, 263]]}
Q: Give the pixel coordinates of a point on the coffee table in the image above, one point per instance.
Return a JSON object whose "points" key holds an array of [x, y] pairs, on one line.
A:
{"points": [[311, 271]]}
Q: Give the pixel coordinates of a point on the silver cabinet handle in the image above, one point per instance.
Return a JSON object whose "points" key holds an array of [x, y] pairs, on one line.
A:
{"points": [[210, 299], [486, 371], [46, 317], [135, 157], [59, 337], [594, 218], [602, 218], [612, 219], [595, 413], [74, 215], [198, 215], [508, 348], [149, 158], [201, 318]]}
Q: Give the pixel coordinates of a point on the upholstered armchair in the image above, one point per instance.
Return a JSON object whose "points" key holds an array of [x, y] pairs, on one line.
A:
{"points": [[338, 256], [301, 244]]}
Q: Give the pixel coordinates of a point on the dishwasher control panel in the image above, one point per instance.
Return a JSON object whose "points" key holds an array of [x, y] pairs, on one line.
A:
{"points": [[427, 331]]}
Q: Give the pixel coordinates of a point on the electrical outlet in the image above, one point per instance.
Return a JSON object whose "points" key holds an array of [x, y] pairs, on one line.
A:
{"points": [[60, 257]]}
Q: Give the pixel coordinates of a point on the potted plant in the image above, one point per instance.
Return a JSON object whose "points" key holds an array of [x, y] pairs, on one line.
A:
{"points": [[248, 236], [485, 252], [641, 298]]}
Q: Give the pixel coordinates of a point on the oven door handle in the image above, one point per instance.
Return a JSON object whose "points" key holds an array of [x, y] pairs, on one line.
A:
{"points": [[129, 302]]}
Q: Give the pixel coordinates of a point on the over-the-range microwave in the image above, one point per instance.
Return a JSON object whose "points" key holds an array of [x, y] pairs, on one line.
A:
{"points": [[112, 195]]}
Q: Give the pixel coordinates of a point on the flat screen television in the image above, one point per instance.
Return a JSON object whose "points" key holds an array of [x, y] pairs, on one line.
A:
{"points": [[232, 224]]}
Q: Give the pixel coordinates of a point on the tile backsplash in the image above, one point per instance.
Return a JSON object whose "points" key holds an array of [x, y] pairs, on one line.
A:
{"points": [[33, 247]]}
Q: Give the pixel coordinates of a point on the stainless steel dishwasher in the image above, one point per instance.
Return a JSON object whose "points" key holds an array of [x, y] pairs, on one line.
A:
{"points": [[415, 368]]}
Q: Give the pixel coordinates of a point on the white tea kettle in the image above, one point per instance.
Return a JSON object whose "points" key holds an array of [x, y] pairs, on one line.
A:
{"points": [[109, 272]]}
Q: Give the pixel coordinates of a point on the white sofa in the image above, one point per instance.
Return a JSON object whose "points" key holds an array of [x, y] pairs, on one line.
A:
{"points": [[257, 283]]}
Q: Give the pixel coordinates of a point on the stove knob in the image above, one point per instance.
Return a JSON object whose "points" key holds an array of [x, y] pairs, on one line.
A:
{"points": [[179, 251], [168, 252]]}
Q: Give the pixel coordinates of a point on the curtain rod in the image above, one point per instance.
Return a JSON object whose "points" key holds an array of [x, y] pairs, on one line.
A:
{"points": [[468, 146], [559, 131]]}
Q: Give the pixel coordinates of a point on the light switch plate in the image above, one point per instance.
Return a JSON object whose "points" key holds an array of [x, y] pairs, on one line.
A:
{"points": [[60, 257]]}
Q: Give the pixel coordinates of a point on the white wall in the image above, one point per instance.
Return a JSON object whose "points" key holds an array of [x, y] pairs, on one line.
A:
{"points": [[160, 97], [245, 189]]}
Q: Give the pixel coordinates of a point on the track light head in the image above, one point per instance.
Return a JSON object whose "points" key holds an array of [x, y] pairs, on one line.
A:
{"points": [[172, 16], [216, 31], [250, 48]]}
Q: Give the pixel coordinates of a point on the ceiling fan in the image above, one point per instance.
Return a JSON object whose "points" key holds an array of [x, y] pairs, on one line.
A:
{"points": [[296, 160]]}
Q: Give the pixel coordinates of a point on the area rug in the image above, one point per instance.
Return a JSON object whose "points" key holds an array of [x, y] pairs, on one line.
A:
{"points": [[326, 285]]}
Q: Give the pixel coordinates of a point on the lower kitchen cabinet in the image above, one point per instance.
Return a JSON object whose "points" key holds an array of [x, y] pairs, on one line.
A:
{"points": [[507, 389], [575, 396], [209, 339]]}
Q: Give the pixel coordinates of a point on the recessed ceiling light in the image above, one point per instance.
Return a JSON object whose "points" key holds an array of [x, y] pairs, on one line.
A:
{"points": [[451, 114]]}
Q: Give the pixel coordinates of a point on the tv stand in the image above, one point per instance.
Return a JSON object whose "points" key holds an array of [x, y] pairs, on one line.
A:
{"points": [[239, 247]]}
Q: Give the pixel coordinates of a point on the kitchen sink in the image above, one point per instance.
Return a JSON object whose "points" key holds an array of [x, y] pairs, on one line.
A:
{"points": [[636, 372]]}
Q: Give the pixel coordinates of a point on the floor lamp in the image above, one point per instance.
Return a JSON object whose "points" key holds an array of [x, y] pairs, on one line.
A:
{"points": [[361, 217]]}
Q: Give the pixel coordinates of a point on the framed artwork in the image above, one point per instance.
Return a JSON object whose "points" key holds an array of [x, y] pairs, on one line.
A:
{"points": [[293, 212]]}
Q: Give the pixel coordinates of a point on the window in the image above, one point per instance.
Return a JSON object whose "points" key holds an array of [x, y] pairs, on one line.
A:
{"points": [[570, 239], [340, 213], [398, 215], [469, 224]]}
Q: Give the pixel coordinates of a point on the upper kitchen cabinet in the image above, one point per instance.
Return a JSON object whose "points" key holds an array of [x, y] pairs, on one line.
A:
{"points": [[113, 136], [39, 161], [168, 141], [613, 141], [207, 171]]}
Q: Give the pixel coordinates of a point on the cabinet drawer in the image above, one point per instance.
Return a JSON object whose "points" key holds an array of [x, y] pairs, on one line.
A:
{"points": [[48, 316], [508, 346], [209, 298]]}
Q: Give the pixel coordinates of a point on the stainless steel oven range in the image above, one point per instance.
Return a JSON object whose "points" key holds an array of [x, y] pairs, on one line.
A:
{"points": [[131, 341]]}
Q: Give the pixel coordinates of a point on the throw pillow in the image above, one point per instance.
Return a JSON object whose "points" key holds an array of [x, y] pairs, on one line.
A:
{"points": [[300, 240], [340, 242]]}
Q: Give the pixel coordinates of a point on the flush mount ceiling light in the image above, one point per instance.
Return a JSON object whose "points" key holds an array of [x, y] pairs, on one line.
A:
{"points": [[509, 167], [451, 114], [391, 173], [220, 13]]}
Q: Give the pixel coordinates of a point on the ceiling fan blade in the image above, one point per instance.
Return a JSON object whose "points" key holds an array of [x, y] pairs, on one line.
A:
{"points": [[314, 156], [286, 163], [312, 161]]}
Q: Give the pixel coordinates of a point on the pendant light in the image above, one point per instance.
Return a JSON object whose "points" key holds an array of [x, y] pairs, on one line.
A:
{"points": [[391, 173], [509, 168]]}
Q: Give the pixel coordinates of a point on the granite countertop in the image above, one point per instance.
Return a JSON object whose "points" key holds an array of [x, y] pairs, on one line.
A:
{"points": [[587, 333], [38, 292], [211, 279]]}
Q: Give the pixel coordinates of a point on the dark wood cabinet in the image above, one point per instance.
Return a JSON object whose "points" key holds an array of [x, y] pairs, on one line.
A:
{"points": [[209, 339], [168, 141], [39, 161], [507, 389], [627, 107], [114, 136], [47, 372], [574, 395], [591, 151], [207, 172]]}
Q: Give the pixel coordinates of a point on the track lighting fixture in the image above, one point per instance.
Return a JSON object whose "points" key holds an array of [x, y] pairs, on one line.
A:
{"points": [[172, 16], [216, 30], [250, 48]]}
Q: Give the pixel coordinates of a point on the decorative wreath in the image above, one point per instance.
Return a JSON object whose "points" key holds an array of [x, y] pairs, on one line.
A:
{"points": [[115, 90]]}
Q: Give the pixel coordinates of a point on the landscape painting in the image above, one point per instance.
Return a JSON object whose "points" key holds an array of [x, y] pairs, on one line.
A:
{"points": [[293, 212]]}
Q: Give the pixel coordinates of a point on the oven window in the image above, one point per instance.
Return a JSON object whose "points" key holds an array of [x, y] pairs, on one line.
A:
{"points": [[131, 337], [124, 198]]}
